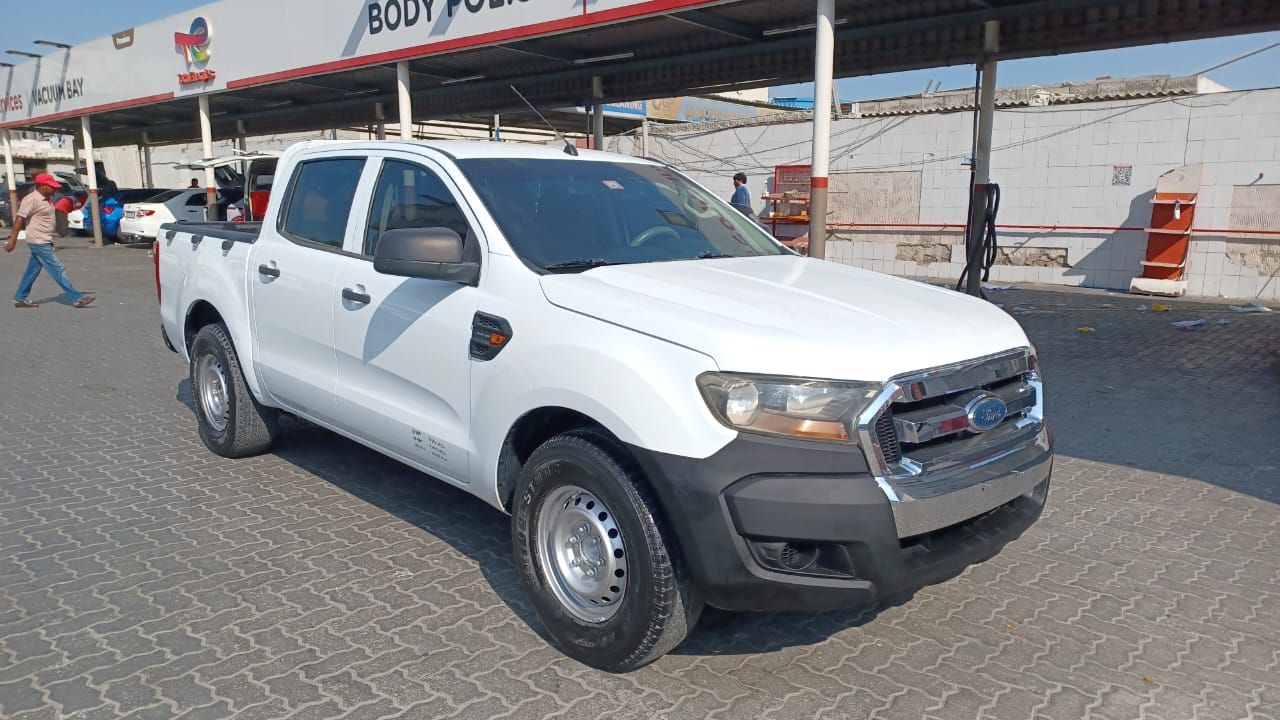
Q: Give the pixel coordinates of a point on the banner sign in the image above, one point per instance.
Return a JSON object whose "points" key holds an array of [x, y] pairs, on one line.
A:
{"points": [[240, 43]]}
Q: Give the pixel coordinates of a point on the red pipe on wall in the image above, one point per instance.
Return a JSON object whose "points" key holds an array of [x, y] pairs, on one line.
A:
{"points": [[1094, 228]]}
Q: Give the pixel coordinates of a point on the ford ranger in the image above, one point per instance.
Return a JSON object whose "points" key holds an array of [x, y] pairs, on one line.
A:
{"points": [[675, 410]]}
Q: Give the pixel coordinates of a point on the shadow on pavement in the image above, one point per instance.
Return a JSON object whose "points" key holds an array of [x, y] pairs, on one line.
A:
{"points": [[483, 534]]}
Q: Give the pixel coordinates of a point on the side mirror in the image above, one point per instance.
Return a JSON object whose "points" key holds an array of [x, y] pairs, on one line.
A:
{"points": [[434, 253]]}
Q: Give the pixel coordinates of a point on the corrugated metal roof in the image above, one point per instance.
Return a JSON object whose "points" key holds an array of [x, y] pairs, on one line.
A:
{"points": [[1036, 95]]}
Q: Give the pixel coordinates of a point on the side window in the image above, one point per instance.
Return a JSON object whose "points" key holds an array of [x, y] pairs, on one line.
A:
{"points": [[411, 196], [198, 200], [320, 200]]}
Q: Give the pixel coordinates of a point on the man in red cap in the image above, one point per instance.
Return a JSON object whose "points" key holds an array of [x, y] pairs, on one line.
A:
{"points": [[36, 216]]}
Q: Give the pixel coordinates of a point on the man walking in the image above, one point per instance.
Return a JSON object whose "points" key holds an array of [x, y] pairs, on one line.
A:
{"points": [[36, 216], [741, 196]]}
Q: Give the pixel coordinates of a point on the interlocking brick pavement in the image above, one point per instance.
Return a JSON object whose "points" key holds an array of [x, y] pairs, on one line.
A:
{"points": [[142, 577]]}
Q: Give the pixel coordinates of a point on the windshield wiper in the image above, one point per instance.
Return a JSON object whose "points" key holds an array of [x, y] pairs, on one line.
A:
{"points": [[584, 264], [709, 255]]}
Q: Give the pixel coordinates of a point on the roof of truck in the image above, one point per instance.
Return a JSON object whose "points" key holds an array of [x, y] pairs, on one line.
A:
{"points": [[468, 149]]}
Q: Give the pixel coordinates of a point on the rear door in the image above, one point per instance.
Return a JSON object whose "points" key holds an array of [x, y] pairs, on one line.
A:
{"points": [[404, 372], [291, 276], [191, 208]]}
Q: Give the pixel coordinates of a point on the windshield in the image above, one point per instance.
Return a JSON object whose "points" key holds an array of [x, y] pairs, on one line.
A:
{"points": [[570, 215]]}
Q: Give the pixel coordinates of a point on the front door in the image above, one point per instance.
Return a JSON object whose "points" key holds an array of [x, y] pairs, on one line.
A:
{"points": [[404, 373], [292, 278]]}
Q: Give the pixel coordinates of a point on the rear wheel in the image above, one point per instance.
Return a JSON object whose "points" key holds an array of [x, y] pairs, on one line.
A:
{"points": [[232, 422], [599, 569]]}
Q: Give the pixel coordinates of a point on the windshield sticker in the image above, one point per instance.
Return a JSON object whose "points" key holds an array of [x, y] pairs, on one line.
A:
{"points": [[612, 184]]}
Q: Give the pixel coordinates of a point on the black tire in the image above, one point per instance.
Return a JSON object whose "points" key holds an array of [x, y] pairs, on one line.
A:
{"points": [[249, 427], [658, 608]]}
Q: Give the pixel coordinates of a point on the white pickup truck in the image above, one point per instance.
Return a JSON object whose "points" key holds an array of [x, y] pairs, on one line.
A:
{"points": [[675, 410]]}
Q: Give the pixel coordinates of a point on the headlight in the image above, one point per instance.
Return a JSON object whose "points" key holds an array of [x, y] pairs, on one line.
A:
{"points": [[786, 406]]}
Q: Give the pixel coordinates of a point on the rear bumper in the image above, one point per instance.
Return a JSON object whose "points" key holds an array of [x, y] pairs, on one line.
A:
{"points": [[736, 513], [139, 229]]}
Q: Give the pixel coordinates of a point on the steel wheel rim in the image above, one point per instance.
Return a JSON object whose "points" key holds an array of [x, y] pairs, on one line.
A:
{"points": [[211, 383], [581, 553]]}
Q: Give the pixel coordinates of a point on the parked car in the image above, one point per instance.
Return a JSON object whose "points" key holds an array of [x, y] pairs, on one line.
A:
{"points": [[112, 209], [142, 220], [675, 409], [257, 184]]}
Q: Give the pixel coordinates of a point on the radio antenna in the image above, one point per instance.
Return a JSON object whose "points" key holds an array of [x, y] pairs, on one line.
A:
{"points": [[569, 149]]}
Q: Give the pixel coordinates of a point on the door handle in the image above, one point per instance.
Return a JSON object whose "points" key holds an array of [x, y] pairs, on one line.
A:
{"points": [[268, 271], [356, 297]]}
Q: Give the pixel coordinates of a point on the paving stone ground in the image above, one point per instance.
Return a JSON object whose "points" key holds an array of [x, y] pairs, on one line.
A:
{"points": [[143, 577]]}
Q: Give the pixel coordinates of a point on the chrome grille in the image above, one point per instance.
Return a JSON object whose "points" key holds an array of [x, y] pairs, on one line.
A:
{"points": [[921, 422]]}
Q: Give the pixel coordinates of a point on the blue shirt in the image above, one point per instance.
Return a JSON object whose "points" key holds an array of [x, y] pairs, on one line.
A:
{"points": [[741, 196]]}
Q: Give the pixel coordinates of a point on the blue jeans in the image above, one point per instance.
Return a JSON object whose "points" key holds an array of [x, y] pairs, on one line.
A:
{"points": [[42, 256]]}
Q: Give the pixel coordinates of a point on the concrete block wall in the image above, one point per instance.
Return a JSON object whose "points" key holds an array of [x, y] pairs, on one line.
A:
{"points": [[1054, 165]]}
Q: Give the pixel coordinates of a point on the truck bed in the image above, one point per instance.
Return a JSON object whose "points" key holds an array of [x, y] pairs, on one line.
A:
{"points": [[245, 232]]}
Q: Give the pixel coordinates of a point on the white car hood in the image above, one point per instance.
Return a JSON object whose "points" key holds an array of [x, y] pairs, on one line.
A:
{"points": [[790, 315]]}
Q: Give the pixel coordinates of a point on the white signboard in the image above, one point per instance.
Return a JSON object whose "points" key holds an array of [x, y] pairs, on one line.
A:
{"points": [[240, 43]]}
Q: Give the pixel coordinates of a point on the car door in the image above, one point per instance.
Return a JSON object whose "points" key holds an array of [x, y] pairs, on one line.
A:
{"points": [[190, 208], [291, 276], [404, 375]]}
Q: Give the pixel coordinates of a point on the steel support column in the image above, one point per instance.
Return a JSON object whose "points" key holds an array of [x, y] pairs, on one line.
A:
{"points": [[644, 136], [380, 112], [242, 145], [206, 150], [91, 171], [982, 159], [497, 128], [404, 101], [823, 71], [147, 181], [10, 177], [597, 113]]}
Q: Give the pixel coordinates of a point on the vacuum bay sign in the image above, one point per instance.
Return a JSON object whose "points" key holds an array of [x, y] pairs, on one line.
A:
{"points": [[57, 93], [286, 39]]}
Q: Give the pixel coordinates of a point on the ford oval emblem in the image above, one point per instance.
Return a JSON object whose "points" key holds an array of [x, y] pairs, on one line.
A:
{"points": [[985, 412]]}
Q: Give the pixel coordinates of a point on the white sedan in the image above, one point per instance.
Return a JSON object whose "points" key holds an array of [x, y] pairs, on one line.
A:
{"points": [[143, 220]]}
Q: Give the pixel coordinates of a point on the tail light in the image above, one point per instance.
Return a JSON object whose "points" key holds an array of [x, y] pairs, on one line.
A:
{"points": [[155, 258], [146, 213]]}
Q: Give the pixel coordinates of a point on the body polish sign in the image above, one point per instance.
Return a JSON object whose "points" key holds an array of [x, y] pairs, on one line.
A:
{"points": [[254, 42]]}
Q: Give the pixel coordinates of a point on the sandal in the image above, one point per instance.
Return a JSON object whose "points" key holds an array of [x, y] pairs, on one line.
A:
{"points": [[83, 302], [25, 304]]}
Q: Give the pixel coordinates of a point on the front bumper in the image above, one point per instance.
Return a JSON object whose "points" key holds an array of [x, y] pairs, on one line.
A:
{"points": [[735, 512]]}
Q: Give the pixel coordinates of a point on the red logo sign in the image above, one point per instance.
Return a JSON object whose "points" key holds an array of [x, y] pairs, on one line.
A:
{"points": [[198, 76]]}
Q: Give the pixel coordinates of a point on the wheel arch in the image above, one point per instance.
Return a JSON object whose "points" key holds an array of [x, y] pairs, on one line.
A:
{"points": [[202, 312], [530, 431]]}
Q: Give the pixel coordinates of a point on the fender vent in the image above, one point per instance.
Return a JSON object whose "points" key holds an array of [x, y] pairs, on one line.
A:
{"points": [[489, 334]]}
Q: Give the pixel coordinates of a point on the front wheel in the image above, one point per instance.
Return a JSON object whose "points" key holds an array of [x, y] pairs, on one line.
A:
{"points": [[594, 560], [232, 422]]}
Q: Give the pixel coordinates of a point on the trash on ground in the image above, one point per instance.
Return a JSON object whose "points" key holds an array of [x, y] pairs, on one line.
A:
{"points": [[1223, 321], [989, 286], [1250, 308], [1188, 324], [1085, 329], [1142, 308], [1158, 307]]}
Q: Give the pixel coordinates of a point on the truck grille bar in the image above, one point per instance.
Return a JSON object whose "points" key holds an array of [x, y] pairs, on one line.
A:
{"points": [[922, 432]]}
